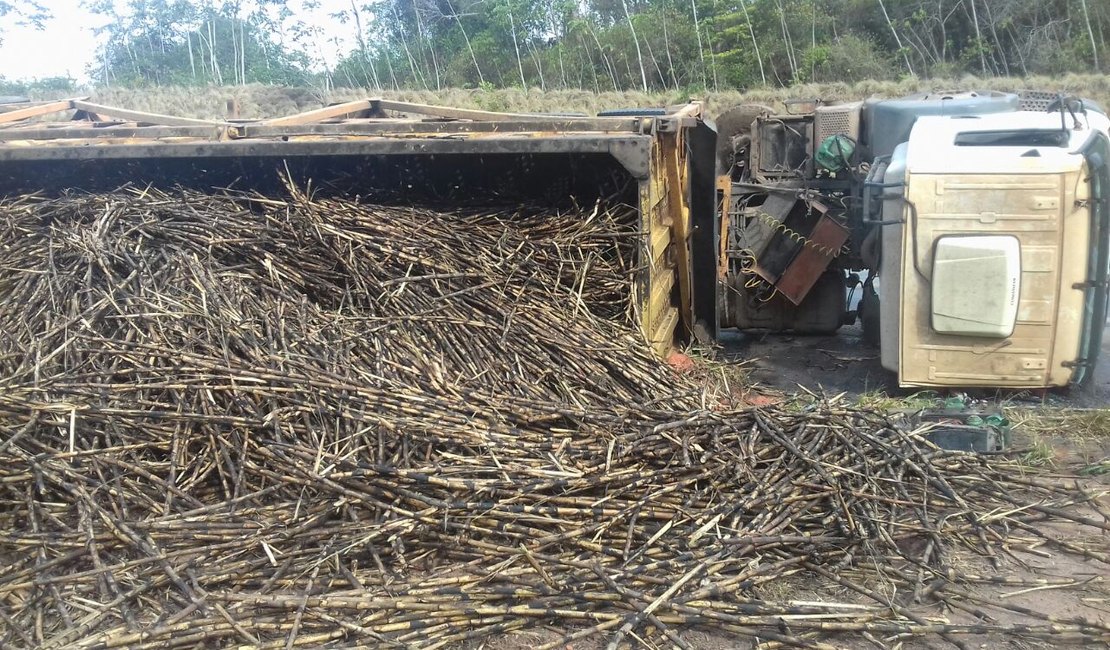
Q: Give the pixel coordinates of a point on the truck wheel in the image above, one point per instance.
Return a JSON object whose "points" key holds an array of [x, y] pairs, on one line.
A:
{"points": [[869, 315], [734, 130], [821, 313]]}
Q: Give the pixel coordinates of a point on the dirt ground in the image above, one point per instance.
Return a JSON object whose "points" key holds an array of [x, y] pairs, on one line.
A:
{"points": [[843, 363]]}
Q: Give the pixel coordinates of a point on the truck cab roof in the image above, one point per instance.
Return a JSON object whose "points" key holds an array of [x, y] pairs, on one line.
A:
{"points": [[1003, 143]]}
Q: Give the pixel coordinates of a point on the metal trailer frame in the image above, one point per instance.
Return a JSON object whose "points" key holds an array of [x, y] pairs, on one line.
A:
{"points": [[670, 157]]}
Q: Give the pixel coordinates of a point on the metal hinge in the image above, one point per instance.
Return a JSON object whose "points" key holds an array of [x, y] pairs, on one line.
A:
{"points": [[1089, 284], [1077, 363], [666, 125], [673, 124]]}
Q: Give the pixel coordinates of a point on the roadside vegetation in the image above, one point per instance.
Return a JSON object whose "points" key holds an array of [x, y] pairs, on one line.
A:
{"points": [[664, 48], [260, 100]]}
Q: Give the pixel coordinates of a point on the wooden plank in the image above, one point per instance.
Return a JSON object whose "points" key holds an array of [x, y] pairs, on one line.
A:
{"points": [[140, 116], [141, 147], [316, 115], [403, 127], [35, 111], [456, 113], [15, 106], [662, 338]]}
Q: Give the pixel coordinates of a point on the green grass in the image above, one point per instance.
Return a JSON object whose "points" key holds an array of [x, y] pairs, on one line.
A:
{"points": [[1101, 468], [723, 382], [1076, 424], [880, 401], [1040, 454], [1076, 438]]}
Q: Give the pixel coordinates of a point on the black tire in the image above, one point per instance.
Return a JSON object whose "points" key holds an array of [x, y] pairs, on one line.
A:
{"points": [[734, 122], [869, 315]]}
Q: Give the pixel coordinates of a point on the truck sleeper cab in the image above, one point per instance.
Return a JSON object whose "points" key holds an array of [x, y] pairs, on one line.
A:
{"points": [[994, 253]]}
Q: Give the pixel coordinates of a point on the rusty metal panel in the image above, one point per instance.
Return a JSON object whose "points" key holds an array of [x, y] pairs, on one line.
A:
{"points": [[813, 258], [658, 314], [667, 307]]}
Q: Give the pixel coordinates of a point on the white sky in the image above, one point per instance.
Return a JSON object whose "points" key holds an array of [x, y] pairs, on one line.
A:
{"points": [[67, 43]]}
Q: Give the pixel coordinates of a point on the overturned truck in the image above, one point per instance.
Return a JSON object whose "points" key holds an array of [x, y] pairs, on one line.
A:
{"points": [[975, 227]]}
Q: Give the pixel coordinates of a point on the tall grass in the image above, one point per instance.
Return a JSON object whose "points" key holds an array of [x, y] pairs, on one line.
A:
{"points": [[256, 101]]}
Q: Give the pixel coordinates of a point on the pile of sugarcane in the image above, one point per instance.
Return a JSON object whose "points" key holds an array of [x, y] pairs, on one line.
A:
{"points": [[238, 420]]}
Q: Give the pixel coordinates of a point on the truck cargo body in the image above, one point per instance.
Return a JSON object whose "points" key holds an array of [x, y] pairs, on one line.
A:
{"points": [[403, 153]]}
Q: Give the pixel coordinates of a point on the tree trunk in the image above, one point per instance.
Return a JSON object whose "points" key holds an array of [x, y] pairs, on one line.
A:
{"points": [[788, 42], [655, 62], [539, 67], [1020, 53], [392, 73], [217, 75], [234, 56], [755, 43], [636, 40], [667, 47], [701, 49], [516, 46], [813, 41], [1001, 52], [417, 77], [897, 40], [604, 58], [560, 44], [192, 62], [469, 47], [978, 36], [431, 48], [943, 19], [1091, 34], [1102, 34], [589, 59], [712, 61], [243, 49], [360, 38]]}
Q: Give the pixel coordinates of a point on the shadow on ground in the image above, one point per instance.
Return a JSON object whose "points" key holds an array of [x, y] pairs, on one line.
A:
{"points": [[844, 363]]}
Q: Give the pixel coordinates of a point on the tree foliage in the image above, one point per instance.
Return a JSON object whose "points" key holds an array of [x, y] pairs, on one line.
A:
{"points": [[677, 45], [161, 42], [21, 12], [687, 44]]}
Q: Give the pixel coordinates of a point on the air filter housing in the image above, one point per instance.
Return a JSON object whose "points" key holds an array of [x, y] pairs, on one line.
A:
{"points": [[838, 119]]}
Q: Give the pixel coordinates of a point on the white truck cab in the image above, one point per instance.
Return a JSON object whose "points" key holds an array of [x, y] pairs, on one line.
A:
{"points": [[993, 266]]}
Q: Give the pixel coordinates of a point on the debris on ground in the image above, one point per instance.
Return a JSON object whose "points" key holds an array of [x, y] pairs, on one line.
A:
{"points": [[229, 419]]}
